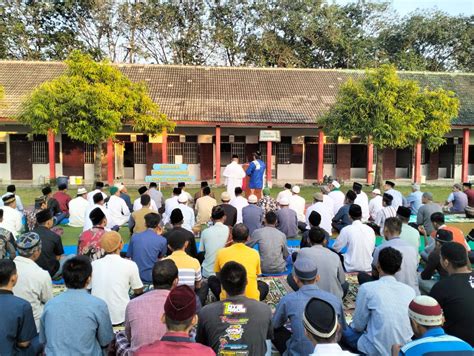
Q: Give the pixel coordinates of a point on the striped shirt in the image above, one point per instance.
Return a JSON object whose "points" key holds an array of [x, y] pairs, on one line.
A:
{"points": [[436, 342], [384, 214], [189, 269]]}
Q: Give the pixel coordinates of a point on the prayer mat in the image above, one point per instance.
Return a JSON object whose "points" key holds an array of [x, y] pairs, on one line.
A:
{"points": [[450, 218], [350, 298], [278, 287]]}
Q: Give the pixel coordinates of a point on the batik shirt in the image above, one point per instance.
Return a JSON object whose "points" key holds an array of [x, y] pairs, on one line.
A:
{"points": [[267, 203], [89, 243]]}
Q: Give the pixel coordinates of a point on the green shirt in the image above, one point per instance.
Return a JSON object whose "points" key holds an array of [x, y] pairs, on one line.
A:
{"points": [[410, 235]]}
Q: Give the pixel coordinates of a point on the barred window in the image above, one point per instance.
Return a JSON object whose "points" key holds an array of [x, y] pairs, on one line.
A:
{"points": [[283, 153], [139, 152], [263, 150], [238, 148], [40, 152], [189, 151], [330, 155], [89, 153]]}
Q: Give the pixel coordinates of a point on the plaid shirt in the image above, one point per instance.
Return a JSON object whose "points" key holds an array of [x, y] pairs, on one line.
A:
{"points": [[122, 345], [267, 203]]}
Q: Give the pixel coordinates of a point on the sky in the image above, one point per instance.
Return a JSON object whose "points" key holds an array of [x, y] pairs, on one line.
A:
{"points": [[452, 7]]}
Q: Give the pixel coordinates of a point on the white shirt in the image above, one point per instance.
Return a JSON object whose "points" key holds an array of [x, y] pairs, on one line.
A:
{"points": [[190, 201], [338, 198], [118, 211], [88, 222], [112, 278], [34, 285], [284, 193], [156, 196], [363, 201], [137, 205], [360, 241], [326, 216], [12, 220], [383, 214], [239, 203], [189, 220], [19, 204], [77, 211], [330, 350], [397, 198], [170, 204], [329, 204], [90, 196], [375, 205], [298, 204], [233, 173]]}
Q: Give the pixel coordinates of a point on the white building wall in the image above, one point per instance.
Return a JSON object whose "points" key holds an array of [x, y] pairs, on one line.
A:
{"points": [[291, 172], [195, 170], [358, 173], [140, 172], [5, 173], [329, 170], [89, 172]]}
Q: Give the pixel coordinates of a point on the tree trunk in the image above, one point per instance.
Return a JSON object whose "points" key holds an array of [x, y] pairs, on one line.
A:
{"points": [[98, 162], [378, 183]]}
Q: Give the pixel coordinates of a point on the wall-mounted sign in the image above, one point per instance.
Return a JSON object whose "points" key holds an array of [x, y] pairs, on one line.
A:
{"points": [[169, 173], [270, 135]]}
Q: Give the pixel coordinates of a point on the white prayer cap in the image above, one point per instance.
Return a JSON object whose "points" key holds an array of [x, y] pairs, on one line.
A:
{"points": [[284, 201], [335, 184], [376, 191], [295, 189], [253, 199], [120, 186], [182, 198], [81, 191]]}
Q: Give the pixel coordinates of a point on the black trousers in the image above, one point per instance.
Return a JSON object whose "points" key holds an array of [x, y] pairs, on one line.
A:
{"points": [[280, 336], [215, 286], [363, 277]]}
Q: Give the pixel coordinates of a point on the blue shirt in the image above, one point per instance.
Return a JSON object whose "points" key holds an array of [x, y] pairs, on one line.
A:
{"points": [[256, 174], [252, 217], [414, 201], [145, 249], [342, 219], [75, 323], [436, 340], [381, 313], [291, 307], [17, 323]]}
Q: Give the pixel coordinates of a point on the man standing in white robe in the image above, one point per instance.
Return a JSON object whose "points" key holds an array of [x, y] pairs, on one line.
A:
{"points": [[233, 173]]}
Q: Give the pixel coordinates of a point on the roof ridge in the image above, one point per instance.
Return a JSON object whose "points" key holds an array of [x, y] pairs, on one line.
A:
{"points": [[340, 70]]}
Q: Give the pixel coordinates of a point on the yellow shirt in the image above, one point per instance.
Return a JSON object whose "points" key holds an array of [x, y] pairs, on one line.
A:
{"points": [[204, 207], [247, 257], [189, 269]]}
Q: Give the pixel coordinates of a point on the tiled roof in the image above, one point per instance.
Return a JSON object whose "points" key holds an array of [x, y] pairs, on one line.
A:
{"points": [[232, 95]]}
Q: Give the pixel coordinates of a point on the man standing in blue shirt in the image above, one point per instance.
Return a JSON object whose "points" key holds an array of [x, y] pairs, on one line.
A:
{"points": [[291, 307], [75, 322], [18, 334], [255, 171], [147, 247], [426, 318], [414, 199]]}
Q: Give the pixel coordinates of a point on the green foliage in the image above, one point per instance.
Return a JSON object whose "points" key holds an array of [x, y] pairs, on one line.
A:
{"points": [[392, 112], [90, 102]]}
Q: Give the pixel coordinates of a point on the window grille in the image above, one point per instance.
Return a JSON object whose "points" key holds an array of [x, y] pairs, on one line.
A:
{"points": [[263, 150], [89, 153], [330, 153], [189, 151], [238, 148], [139, 152], [283, 153], [40, 152]]}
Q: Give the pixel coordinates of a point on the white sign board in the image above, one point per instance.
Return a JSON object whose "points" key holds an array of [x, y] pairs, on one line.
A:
{"points": [[270, 135]]}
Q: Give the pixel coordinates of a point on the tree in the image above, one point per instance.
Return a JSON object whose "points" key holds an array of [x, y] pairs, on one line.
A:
{"points": [[390, 112], [90, 102]]}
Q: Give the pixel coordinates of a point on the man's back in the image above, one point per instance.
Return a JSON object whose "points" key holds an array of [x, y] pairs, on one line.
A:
{"points": [[75, 323], [204, 207], [408, 270], [213, 239], [424, 216], [329, 266], [298, 204], [176, 232], [363, 201], [16, 323], [292, 307], [51, 246], [455, 295], [272, 249], [143, 323], [230, 213], [239, 203], [252, 217], [112, 278], [237, 323], [145, 249], [139, 219], [414, 201], [381, 310], [411, 236], [287, 222], [189, 269], [247, 257], [338, 198], [326, 215], [156, 196], [176, 344], [77, 210]]}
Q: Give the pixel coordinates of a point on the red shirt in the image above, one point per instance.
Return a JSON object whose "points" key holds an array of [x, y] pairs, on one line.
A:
{"points": [[176, 344], [63, 200], [470, 197]]}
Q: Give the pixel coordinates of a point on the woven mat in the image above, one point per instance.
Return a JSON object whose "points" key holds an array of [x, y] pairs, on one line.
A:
{"points": [[450, 218]]}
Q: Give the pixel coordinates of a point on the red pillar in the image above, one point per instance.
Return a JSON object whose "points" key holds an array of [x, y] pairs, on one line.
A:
{"points": [[417, 173], [110, 161], [320, 172], [370, 163], [164, 147], [269, 163], [218, 155], [52, 155], [465, 155]]}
